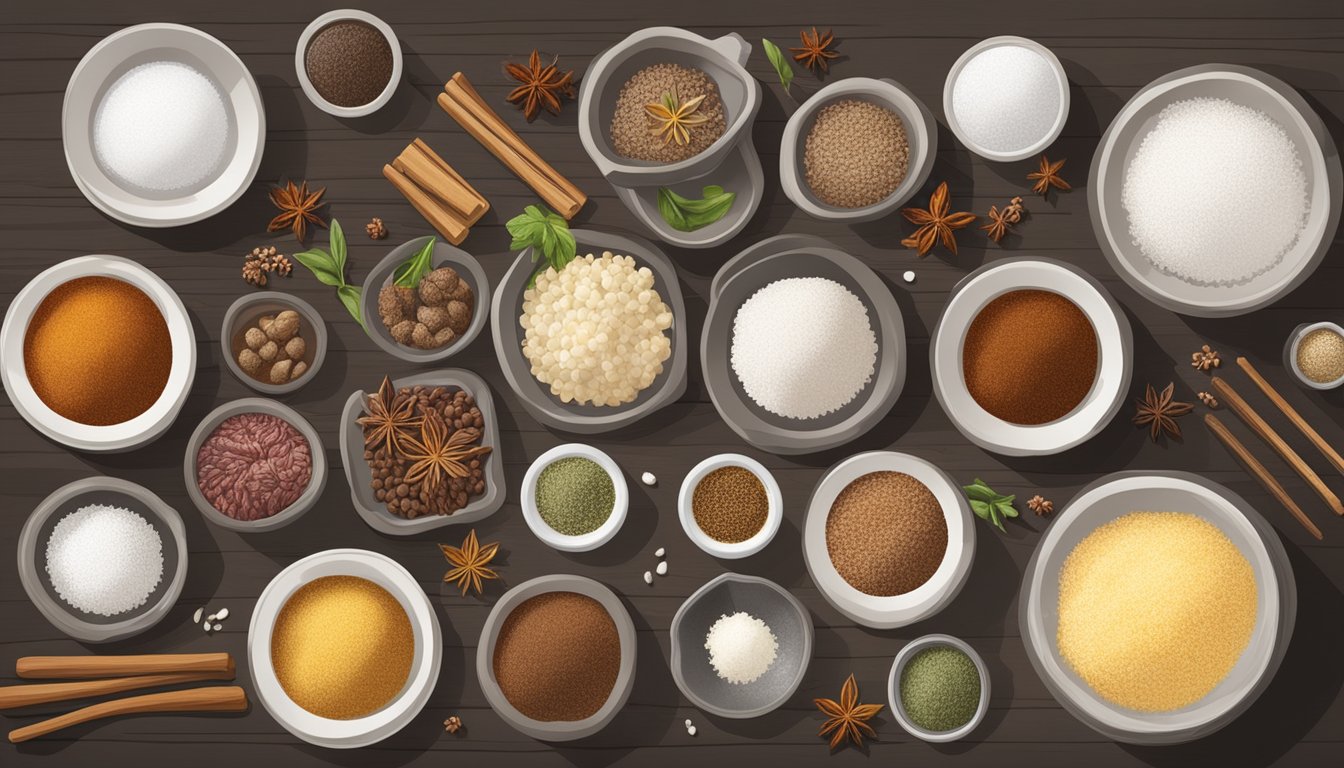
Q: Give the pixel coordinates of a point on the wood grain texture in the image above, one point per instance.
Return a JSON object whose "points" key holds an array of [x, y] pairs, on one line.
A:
{"points": [[1108, 50]]}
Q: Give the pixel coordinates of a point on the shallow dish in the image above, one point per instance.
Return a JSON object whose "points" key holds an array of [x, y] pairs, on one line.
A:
{"points": [[1119, 494], [445, 255], [1115, 359], [1061, 79], [926, 599], [289, 514], [898, 705], [725, 595], [140, 430], [1290, 354], [686, 512], [774, 259], [301, 69], [89, 627], [424, 674], [588, 541], [921, 133], [358, 476], [535, 396], [1242, 85], [125, 49], [625, 677], [244, 313]]}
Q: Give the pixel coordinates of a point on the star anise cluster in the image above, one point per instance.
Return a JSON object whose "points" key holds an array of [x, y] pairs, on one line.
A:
{"points": [[540, 87], [298, 208], [1159, 411], [1001, 221]]}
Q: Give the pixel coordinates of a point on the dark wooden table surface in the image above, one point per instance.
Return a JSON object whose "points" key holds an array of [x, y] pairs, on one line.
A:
{"points": [[1109, 51]]}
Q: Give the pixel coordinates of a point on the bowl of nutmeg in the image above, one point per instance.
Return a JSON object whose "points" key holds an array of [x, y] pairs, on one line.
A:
{"points": [[432, 301], [273, 342]]}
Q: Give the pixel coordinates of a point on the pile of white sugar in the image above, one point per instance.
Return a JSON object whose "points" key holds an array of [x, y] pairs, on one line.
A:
{"points": [[741, 648], [104, 560]]}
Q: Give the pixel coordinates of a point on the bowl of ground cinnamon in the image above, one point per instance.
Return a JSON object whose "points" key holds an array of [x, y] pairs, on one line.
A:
{"points": [[100, 354], [730, 506]]}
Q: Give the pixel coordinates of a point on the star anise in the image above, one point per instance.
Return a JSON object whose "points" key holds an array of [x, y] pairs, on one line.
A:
{"points": [[297, 207], [469, 569], [541, 86], [1048, 176], [675, 117], [390, 418], [438, 456], [1159, 412], [847, 718], [816, 50], [1041, 505], [1001, 221], [935, 224]]}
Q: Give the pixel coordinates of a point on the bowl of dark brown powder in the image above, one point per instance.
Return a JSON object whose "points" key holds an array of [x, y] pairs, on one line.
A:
{"points": [[348, 63]]}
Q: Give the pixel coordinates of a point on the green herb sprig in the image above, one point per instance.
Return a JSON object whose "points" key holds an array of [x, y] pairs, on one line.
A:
{"points": [[410, 272], [988, 504], [780, 62], [547, 234], [686, 215], [329, 268]]}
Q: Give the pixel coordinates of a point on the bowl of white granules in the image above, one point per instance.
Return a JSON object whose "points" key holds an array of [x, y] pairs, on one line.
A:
{"points": [[1006, 98]]}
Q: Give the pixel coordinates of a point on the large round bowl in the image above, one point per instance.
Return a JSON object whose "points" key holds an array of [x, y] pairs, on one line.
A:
{"points": [[926, 599], [777, 258], [1251, 88], [111, 58], [114, 437], [1119, 494], [557, 730], [427, 656], [1115, 357]]}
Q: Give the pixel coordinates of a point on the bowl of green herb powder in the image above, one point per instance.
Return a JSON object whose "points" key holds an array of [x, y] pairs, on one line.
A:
{"points": [[939, 688], [574, 497]]}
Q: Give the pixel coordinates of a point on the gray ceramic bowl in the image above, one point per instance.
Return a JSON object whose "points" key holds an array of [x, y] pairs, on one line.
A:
{"points": [[359, 477], [725, 595], [1290, 354], [1242, 85], [535, 396], [284, 517], [1119, 494], [88, 627], [248, 309], [782, 257], [898, 704], [625, 677], [921, 133], [445, 255]]}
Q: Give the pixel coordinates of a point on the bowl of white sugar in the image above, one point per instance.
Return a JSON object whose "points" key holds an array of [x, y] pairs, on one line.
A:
{"points": [[162, 125], [1215, 191], [1006, 98], [103, 559]]}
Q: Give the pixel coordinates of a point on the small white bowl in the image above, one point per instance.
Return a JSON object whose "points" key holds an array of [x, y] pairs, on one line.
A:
{"points": [[1290, 354], [774, 514], [83, 437], [592, 539], [428, 654], [898, 705], [331, 17], [1062, 81]]}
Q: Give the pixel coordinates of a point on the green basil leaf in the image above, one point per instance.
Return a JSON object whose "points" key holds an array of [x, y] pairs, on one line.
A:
{"points": [[670, 211], [320, 263], [566, 247], [979, 491], [686, 215], [413, 270], [980, 508], [349, 296], [336, 242], [1006, 509], [780, 62]]}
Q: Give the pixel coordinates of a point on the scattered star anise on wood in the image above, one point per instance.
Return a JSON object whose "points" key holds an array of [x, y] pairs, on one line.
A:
{"points": [[1001, 221], [470, 568], [438, 456], [390, 418], [541, 86], [1041, 505], [847, 718], [1048, 176], [935, 224], [1159, 412], [816, 50], [298, 208]]}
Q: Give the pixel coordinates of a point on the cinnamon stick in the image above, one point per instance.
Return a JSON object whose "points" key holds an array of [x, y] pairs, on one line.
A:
{"points": [[420, 144], [74, 667], [431, 177], [1306, 429], [16, 696], [453, 228], [217, 698], [1258, 470]]}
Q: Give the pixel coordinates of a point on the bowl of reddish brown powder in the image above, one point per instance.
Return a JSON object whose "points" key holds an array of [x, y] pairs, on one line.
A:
{"points": [[730, 506], [888, 539], [1031, 357]]}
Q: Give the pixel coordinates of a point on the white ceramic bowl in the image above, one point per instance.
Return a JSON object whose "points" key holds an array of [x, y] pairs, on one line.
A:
{"points": [[774, 514], [592, 539], [112, 57], [1062, 82], [83, 437], [898, 705], [347, 14], [1115, 359], [428, 654], [1290, 354], [926, 599]]}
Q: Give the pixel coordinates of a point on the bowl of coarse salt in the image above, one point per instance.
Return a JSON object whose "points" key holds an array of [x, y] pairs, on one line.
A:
{"points": [[1006, 98]]}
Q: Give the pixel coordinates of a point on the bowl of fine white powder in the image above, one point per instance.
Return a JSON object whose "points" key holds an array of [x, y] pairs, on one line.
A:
{"points": [[1006, 98]]}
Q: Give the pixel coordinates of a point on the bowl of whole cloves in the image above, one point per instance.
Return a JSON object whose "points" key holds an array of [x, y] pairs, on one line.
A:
{"points": [[432, 300]]}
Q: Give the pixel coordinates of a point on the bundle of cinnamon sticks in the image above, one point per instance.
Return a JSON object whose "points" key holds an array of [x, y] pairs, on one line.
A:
{"points": [[436, 190]]}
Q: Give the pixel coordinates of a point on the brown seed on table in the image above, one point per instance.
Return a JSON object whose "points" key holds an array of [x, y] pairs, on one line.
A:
{"points": [[454, 723], [375, 229], [1041, 505]]}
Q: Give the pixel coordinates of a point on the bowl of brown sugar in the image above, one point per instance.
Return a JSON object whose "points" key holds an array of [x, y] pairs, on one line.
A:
{"points": [[730, 506]]}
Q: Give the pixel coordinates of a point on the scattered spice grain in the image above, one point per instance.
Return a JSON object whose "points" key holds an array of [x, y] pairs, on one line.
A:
{"points": [[633, 130], [1208, 399], [1041, 505], [557, 657], [1320, 356], [1205, 358], [855, 154], [349, 62], [376, 229], [730, 504], [886, 534]]}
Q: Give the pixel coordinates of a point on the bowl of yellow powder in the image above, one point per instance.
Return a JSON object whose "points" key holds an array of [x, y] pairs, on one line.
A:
{"points": [[344, 648], [1157, 606]]}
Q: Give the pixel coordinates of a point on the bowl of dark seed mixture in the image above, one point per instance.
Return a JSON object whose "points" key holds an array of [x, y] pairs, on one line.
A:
{"points": [[348, 62]]}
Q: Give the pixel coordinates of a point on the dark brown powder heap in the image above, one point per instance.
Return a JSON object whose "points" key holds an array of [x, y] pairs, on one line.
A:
{"points": [[886, 534], [730, 504], [349, 63], [557, 656], [1030, 357]]}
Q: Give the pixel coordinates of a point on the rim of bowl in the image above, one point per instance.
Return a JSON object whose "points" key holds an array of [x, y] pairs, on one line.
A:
{"points": [[1290, 353], [594, 538], [427, 657], [758, 541], [309, 90], [317, 480], [234, 318], [903, 658], [142, 429], [1061, 78]]}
